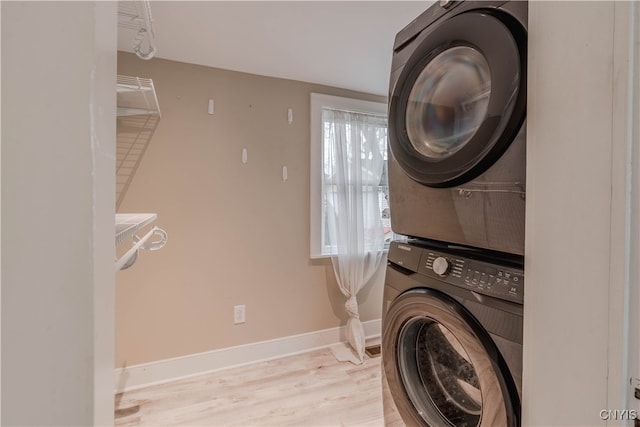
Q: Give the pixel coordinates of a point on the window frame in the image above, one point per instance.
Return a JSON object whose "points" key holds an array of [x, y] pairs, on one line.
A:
{"points": [[318, 102]]}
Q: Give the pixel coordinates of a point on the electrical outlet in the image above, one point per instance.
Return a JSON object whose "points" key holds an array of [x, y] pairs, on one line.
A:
{"points": [[239, 314]]}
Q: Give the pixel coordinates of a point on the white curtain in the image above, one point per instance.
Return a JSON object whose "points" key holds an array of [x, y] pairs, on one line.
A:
{"points": [[355, 145]]}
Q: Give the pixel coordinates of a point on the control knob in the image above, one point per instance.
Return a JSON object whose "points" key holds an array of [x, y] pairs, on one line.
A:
{"points": [[441, 266]]}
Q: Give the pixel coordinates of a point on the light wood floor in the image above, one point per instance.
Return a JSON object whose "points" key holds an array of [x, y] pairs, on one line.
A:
{"points": [[311, 389]]}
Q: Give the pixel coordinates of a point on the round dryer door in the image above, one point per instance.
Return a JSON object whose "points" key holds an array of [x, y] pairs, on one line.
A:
{"points": [[460, 99], [442, 367]]}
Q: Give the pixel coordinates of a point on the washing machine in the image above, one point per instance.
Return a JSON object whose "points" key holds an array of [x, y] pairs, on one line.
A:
{"points": [[452, 336], [457, 119]]}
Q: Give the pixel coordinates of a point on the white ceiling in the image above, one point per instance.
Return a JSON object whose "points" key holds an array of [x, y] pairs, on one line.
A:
{"points": [[346, 44]]}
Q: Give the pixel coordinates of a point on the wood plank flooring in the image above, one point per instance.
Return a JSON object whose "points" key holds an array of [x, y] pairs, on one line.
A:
{"points": [[310, 389]]}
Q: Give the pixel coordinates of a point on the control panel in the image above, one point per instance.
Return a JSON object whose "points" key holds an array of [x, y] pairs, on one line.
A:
{"points": [[478, 276]]}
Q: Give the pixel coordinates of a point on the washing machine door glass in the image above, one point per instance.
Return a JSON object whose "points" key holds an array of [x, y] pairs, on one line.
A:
{"points": [[442, 367], [438, 373], [460, 99]]}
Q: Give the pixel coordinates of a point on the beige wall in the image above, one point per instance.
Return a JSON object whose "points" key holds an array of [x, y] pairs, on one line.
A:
{"points": [[238, 234]]}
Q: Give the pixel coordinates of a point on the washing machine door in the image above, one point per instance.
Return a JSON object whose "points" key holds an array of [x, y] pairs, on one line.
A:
{"points": [[442, 367], [460, 98]]}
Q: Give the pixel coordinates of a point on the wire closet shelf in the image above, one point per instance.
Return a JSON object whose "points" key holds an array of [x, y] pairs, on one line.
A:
{"points": [[136, 96]]}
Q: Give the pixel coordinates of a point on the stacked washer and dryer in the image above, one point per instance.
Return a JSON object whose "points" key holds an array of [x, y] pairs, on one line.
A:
{"points": [[454, 290]]}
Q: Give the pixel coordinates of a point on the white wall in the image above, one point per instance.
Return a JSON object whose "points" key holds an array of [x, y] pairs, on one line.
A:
{"points": [[633, 225], [577, 214], [58, 190], [625, 237], [0, 241], [103, 140]]}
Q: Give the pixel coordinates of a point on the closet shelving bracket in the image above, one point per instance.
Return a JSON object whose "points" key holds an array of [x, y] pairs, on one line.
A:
{"points": [[136, 15], [127, 227]]}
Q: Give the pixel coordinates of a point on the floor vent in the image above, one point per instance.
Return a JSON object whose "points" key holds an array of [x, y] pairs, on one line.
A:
{"points": [[124, 412], [373, 351], [127, 411]]}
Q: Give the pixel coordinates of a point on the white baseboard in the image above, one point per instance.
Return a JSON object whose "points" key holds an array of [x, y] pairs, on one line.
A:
{"points": [[147, 374]]}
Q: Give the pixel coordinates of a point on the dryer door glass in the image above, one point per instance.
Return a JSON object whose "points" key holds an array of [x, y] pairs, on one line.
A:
{"points": [[448, 102], [460, 98]]}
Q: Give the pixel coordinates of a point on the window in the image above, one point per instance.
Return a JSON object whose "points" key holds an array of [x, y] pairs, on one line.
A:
{"points": [[322, 124]]}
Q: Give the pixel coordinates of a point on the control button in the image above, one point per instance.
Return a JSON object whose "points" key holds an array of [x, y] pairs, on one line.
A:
{"points": [[441, 266], [476, 277], [429, 262]]}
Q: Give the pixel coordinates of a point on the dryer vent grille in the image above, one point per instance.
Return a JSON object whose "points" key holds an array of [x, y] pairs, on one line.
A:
{"points": [[373, 351]]}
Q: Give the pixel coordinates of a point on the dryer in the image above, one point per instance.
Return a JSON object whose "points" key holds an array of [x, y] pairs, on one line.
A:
{"points": [[452, 336], [457, 113]]}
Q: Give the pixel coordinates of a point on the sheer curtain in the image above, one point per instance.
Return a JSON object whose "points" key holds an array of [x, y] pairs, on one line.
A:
{"points": [[354, 145]]}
